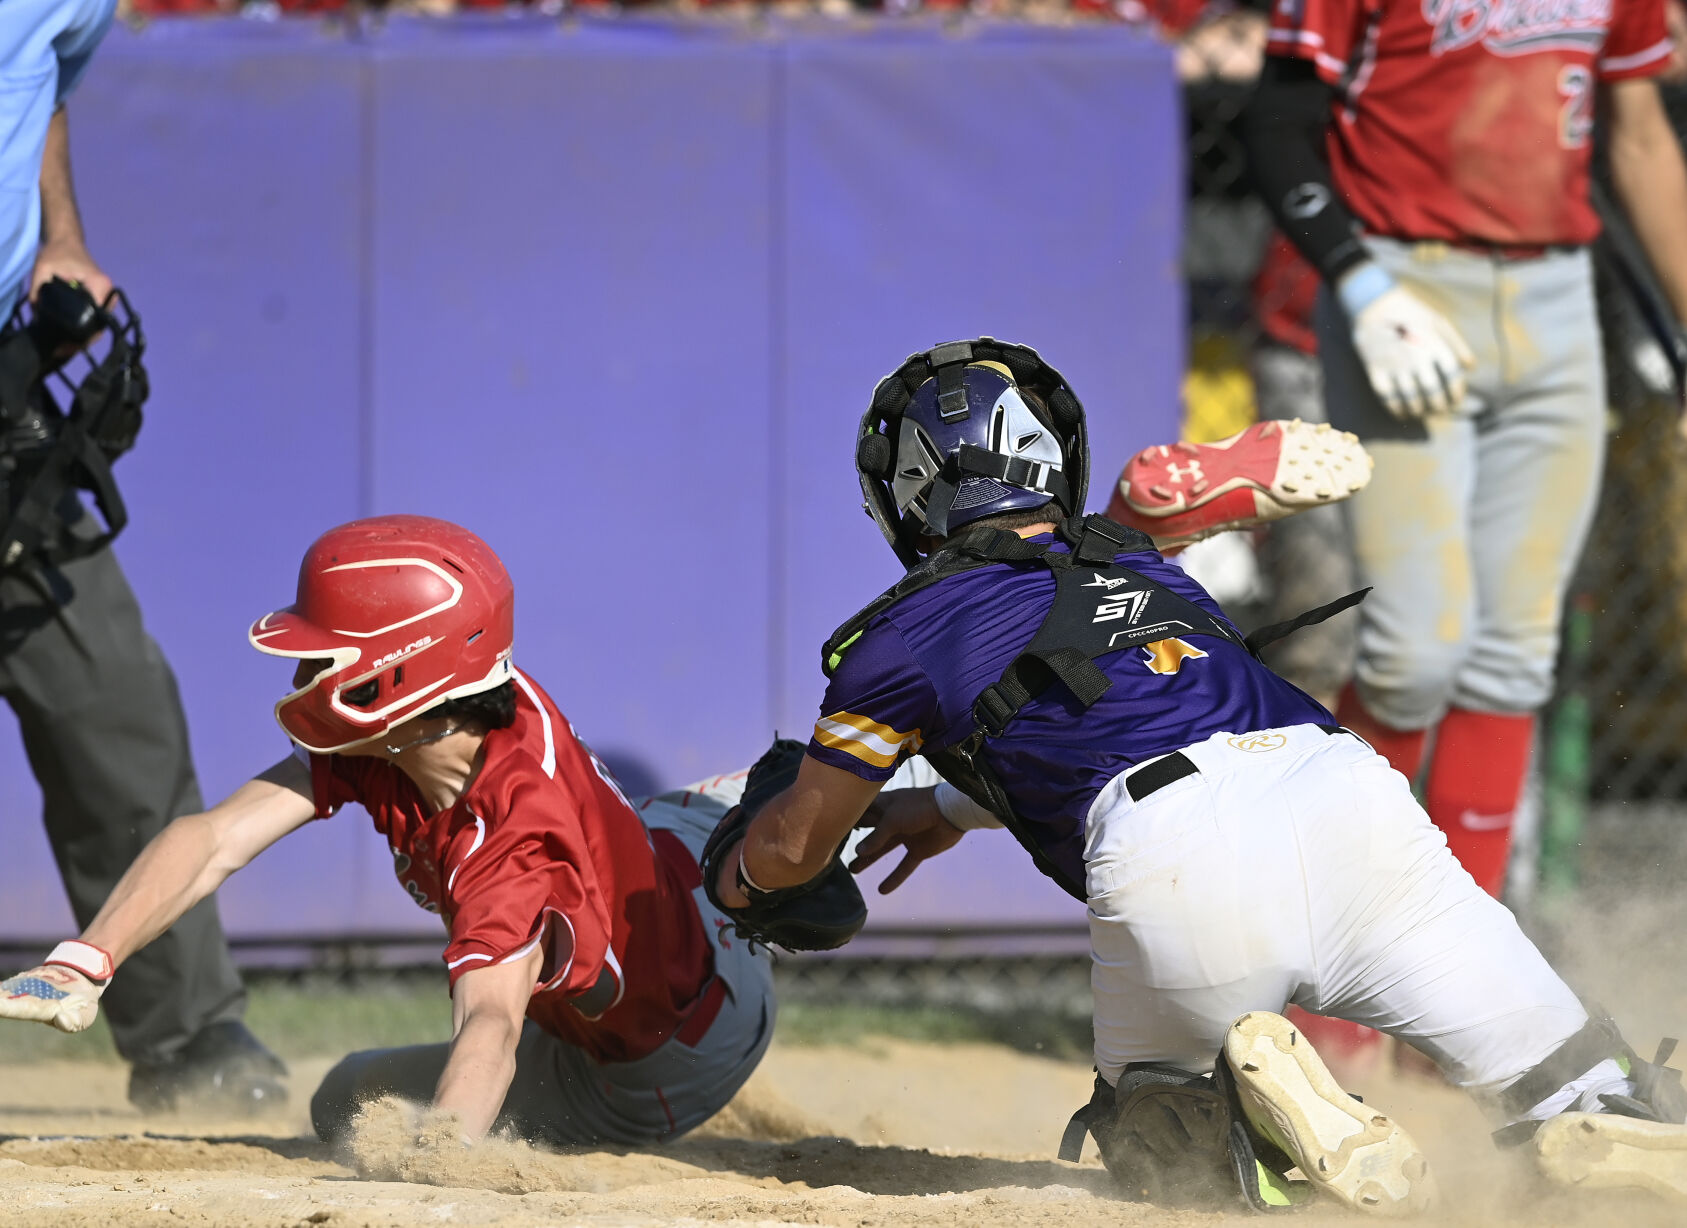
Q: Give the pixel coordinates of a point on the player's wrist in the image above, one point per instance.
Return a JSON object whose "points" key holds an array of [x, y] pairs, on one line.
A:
{"points": [[1363, 285], [93, 962], [749, 886]]}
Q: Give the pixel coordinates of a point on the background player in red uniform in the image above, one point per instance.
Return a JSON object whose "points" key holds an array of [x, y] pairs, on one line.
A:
{"points": [[643, 1014], [1431, 159]]}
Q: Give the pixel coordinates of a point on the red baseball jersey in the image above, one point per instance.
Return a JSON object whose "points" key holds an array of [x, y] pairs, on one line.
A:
{"points": [[1469, 119], [543, 849]]}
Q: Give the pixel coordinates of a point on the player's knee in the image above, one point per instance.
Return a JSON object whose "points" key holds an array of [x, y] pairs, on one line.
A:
{"points": [[1514, 677], [1410, 688], [337, 1099]]}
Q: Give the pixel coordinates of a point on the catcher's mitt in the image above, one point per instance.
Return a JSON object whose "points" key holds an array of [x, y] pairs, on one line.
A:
{"points": [[823, 913]]}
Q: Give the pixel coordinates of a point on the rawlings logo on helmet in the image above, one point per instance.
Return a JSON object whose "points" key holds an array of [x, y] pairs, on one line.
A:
{"points": [[404, 612], [407, 649]]}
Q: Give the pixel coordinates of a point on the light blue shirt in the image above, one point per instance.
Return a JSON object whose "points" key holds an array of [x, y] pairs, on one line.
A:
{"points": [[45, 46]]}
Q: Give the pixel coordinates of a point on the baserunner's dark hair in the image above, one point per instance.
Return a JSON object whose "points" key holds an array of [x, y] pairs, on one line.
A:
{"points": [[494, 709]]}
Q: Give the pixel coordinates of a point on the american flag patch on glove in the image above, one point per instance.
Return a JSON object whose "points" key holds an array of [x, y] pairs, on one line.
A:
{"points": [[32, 987]]}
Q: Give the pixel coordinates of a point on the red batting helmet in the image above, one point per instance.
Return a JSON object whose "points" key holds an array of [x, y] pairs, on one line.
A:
{"points": [[409, 611]]}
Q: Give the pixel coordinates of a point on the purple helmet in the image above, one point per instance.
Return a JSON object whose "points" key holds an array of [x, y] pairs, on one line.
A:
{"points": [[967, 430]]}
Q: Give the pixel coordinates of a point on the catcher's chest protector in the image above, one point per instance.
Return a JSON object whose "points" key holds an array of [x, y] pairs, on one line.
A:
{"points": [[1100, 608]]}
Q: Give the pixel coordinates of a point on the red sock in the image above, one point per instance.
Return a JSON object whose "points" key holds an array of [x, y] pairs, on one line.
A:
{"points": [[1403, 748], [1350, 1050], [1475, 781]]}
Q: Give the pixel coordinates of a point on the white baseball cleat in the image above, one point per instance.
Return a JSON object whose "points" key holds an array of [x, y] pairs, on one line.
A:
{"points": [[1603, 1151], [1181, 493], [1349, 1150]]}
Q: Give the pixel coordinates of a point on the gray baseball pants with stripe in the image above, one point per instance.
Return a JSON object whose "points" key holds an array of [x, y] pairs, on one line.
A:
{"points": [[1472, 523], [559, 1094]]}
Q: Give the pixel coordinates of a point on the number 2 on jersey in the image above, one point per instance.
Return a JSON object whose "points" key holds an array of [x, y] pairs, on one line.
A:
{"points": [[1575, 117]]}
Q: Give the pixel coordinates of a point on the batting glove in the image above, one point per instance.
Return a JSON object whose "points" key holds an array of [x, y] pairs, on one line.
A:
{"points": [[65, 991], [1414, 357]]}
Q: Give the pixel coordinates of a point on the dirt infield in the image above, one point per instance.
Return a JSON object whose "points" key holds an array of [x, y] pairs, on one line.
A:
{"points": [[882, 1134]]}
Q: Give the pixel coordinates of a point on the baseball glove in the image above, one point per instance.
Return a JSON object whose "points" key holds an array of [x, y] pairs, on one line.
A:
{"points": [[819, 915]]}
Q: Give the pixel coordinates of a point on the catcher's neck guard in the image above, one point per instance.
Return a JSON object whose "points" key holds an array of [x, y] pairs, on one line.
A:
{"points": [[948, 439]]}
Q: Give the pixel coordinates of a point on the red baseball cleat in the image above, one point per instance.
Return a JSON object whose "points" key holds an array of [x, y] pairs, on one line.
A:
{"points": [[1183, 492]]}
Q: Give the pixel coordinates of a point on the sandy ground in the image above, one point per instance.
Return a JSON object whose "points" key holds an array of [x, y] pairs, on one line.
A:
{"points": [[881, 1134]]}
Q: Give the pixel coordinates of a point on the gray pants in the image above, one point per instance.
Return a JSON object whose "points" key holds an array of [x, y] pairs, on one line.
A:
{"points": [[1306, 558], [102, 725], [1472, 523], [559, 1095]]}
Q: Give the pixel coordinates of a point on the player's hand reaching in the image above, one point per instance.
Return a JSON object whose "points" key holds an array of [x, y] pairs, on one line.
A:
{"points": [[1414, 357], [51, 994], [908, 819]]}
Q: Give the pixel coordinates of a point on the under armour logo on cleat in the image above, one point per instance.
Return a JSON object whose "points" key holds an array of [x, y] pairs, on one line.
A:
{"points": [[1177, 472]]}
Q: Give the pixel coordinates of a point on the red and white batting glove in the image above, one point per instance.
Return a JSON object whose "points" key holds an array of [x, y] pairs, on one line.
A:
{"points": [[65, 991], [1414, 357]]}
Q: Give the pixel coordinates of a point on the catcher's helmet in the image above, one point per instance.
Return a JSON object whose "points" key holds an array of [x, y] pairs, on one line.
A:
{"points": [[408, 611], [951, 437]]}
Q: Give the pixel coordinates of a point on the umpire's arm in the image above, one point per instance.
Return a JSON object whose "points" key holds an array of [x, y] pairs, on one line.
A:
{"points": [[63, 250], [795, 835]]}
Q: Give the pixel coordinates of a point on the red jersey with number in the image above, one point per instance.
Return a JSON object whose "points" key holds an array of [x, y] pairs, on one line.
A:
{"points": [[542, 850], [1469, 119]]}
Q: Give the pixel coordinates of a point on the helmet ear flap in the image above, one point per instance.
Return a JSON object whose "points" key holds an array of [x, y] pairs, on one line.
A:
{"points": [[874, 457], [1065, 410], [891, 398], [1025, 366]]}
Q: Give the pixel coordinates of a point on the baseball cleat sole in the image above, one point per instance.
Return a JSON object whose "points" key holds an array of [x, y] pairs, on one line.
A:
{"points": [[1180, 493], [1349, 1150], [1602, 1151]]}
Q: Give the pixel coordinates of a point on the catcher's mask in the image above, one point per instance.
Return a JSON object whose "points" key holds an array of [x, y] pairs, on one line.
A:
{"points": [[405, 612], [967, 430], [89, 354]]}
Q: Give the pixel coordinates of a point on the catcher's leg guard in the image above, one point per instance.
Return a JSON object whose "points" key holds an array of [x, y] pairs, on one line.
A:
{"points": [[1654, 1091], [1639, 1141], [1173, 1138], [1347, 1149]]}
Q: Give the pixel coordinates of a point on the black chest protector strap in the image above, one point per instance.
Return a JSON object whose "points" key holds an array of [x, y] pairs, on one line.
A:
{"points": [[1099, 609], [1276, 631]]}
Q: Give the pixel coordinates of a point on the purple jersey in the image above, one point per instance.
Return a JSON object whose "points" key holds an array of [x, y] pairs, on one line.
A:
{"points": [[910, 679]]}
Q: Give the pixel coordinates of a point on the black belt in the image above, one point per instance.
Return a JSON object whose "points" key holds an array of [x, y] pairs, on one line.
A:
{"points": [[1169, 769]]}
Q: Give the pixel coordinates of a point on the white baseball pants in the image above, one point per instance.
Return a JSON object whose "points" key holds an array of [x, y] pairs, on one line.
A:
{"points": [[1295, 866]]}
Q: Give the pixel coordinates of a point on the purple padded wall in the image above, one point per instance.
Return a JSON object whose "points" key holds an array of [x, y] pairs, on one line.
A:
{"points": [[531, 277], [925, 203], [586, 292]]}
